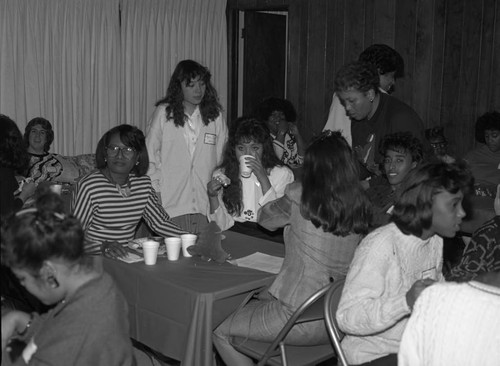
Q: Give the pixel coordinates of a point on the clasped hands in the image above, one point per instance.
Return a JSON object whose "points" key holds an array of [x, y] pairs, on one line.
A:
{"points": [[113, 249]]}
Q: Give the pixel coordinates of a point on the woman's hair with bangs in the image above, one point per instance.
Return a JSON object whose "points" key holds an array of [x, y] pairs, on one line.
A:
{"points": [[332, 196], [185, 71], [46, 125], [357, 75], [244, 129], [35, 235], [130, 136], [413, 211]]}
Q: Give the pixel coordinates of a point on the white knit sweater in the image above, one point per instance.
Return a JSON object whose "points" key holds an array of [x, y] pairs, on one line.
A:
{"points": [[373, 311], [453, 324]]}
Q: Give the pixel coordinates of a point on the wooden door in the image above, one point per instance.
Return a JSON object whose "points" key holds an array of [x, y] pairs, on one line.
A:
{"points": [[264, 64]]}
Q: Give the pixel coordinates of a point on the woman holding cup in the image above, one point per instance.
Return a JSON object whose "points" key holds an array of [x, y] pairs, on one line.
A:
{"points": [[235, 195]]}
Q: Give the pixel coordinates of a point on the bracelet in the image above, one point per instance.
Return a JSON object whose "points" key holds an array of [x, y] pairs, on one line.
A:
{"points": [[28, 325]]}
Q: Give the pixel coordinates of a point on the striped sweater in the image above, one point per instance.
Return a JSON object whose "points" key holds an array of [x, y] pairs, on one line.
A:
{"points": [[108, 216]]}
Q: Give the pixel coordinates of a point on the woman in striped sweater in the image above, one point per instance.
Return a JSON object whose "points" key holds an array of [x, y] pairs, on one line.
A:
{"points": [[111, 201]]}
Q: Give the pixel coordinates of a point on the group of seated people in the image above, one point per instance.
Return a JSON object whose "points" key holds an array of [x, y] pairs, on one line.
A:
{"points": [[374, 214]]}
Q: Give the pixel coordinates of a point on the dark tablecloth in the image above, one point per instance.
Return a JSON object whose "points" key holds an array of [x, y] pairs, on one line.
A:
{"points": [[174, 306]]}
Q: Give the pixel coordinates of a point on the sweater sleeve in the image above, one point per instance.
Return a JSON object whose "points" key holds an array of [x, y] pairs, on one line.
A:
{"points": [[369, 304], [158, 219], [411, 348], [154, 144], [221, 137]]}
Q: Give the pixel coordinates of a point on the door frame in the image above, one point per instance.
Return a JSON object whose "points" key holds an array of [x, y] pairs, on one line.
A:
{"points": [[233, 8]]}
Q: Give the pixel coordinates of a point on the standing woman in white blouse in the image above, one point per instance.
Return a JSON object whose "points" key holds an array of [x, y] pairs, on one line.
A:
{"points": [[185, 138]]}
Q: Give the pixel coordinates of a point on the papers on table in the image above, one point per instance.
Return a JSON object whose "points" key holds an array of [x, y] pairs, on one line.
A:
{"points": [[131, 258], [260, 261]]}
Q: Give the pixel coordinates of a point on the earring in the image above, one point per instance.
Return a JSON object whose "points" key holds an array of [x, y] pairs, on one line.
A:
{"points": [[54, 283], [137, 162], [371, 100]]}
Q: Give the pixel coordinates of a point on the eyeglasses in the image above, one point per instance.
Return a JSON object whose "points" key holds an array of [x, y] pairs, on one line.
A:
{"points": [[127, 152]]}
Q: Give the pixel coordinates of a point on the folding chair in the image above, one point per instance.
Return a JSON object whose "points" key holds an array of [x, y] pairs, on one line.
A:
{"points": [[331, 303], [268, 353]]}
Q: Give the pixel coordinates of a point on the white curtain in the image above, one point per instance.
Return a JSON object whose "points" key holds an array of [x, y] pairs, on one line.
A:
{"points": [[59, 59], [87, 66], [156, 35]]}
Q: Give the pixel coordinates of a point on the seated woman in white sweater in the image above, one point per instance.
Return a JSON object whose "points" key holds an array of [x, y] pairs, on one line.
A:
{"points": [[394, 263], [234, 198]]}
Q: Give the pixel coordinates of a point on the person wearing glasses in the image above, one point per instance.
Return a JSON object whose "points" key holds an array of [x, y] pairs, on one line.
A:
{"points": [[111, 201]]}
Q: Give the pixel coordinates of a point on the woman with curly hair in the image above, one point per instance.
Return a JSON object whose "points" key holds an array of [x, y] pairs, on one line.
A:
{"points": [[325, 216], [484, 161], [14, 160], [236, 198], [279, 116], [185, 139], [373, 114]]}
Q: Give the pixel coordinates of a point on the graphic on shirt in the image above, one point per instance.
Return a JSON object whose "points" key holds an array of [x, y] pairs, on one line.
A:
{"points": [[248, 215]]}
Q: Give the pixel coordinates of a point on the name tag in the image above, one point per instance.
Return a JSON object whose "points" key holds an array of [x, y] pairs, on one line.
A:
{"points": [[430, 273], [210, 139]]}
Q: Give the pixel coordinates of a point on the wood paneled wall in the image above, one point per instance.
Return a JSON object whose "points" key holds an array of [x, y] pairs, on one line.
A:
{"points": [[451, 50]]}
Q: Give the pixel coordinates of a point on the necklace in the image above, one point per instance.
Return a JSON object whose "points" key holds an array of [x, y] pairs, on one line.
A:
{"points": [[123, 190]]}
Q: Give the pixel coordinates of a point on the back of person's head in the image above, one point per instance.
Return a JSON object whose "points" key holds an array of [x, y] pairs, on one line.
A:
{"points": [[266, 108], [488, 121], [357, 75], [13, 153], [413, 211], [244, 130], [46, 125], [185, 72], [386, 59], [32, 236], [402, 142], [130, 136], [332, 196]]}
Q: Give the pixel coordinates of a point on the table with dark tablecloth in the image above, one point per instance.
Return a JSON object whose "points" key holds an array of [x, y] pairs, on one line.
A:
{"points": [[175, 306]]}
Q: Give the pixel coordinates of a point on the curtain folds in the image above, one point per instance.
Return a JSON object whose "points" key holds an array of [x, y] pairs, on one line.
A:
{"points": [[156, 35], [88, 65]]}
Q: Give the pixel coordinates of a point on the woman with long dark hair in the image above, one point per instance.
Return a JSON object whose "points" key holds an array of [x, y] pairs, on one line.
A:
{"points": [[325, 218], [185, 139], [241, 199]]}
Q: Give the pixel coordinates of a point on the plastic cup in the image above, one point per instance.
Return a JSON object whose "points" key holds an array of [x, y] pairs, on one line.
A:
{"points": [[245, 170], [187, 241], [56, 188], [173, 246], [150, 250]]}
